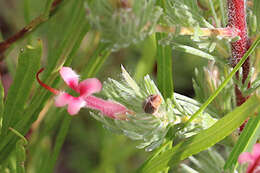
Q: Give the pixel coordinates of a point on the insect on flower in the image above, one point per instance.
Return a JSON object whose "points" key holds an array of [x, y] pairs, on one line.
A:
{"points": [[152, 104]]}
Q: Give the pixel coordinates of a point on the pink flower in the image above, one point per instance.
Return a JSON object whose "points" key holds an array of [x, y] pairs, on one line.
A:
{"points": [[252, 158], [85, 99]]}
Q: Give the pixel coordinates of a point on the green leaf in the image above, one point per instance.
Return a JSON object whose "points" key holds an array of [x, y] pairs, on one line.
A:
{"points": [[214, 14], [184, 13], [245, 142], [47, 8], [129, 26], [257, 11], [75, 27], [193, 51], [1, 104], [28, 65], [96, 61], [20, 153], [164, 68], [205, 139], [229, 77], [61, 45], [62, 133], [222, 12]]}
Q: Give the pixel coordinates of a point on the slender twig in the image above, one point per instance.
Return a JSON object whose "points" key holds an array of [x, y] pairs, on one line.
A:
{"points": [[27, 29]]}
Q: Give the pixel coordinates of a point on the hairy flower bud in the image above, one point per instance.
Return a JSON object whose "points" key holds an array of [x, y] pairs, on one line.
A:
{"points": [[151, 116]]}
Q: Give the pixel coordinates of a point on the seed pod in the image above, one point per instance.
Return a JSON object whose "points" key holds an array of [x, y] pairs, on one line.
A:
{"points": [[152, 104]]}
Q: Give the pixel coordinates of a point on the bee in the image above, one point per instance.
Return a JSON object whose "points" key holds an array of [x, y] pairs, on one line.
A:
{"points": [[152, 104]]}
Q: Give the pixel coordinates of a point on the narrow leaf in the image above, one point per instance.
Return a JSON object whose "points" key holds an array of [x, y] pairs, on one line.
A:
{"points": [[256, 11], [130, 81], [63, 130], [193, 51], [1, 104], [205, 139], [214, 14], [164, 68], [96, 61], [28, 65], [224, 83], [47, 9], [245, 142], [61, 46]]}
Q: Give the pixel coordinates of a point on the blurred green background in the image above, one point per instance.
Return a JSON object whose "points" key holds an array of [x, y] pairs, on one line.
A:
{"points": [[89, 147]]}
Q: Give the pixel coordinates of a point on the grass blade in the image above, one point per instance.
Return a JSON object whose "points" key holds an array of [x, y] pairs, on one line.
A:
{"points": [[1, 104], [204, 139], [224, 83], [193, 51], [62, 133], [245, 142], [28, 65], [164, 68]]}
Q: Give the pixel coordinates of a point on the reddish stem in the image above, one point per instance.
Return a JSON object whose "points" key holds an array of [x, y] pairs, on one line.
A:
{"points": [[4, 45], [54, 91]]}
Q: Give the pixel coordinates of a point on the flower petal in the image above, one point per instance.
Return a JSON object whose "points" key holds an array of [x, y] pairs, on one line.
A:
{"points": [[70, 77], [245, 157], [75, 105], [89, 86], [256, 151], [108, 108], [62, 99]]}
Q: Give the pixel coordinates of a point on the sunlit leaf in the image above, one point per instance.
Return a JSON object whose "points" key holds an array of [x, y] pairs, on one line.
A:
{"points": [[245, 142], [204, 139]]}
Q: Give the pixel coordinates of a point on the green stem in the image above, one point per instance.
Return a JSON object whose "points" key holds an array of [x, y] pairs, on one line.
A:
{"points": [[221, 6], [58, 143], [164, 68], [225, 82], [214, 13]]}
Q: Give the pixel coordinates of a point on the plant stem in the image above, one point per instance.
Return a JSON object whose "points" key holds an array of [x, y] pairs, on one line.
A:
{"points": [[4, 45], [237, 20], [224, 83], [203, 32]]}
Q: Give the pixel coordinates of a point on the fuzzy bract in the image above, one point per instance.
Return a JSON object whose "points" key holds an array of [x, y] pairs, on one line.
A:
{"points": [[150, 127]]}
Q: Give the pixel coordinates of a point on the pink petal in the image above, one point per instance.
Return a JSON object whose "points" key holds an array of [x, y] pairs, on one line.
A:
{"points": [[245, 157], [256, 151], [70, 77], [62, 99], [75, 105], [89, 86], [107, 108]]}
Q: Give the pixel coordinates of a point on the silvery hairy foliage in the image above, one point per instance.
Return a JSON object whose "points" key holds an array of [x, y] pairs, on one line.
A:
{"points": [[150, 128], [125, 22], [186, 13]]}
